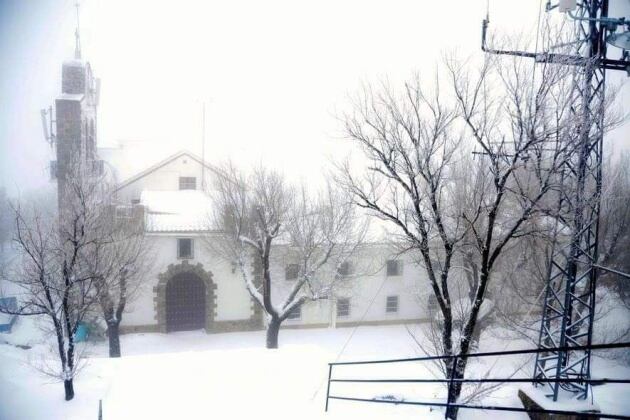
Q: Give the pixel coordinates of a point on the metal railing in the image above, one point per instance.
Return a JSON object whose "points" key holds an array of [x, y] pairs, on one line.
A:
{"points": [[452, 380]]}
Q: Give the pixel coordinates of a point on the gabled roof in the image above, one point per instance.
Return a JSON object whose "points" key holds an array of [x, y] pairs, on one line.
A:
{"points": [[165, 162]]}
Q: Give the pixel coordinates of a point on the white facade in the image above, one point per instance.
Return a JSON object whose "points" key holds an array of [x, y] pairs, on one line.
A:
{"points": [[164, 176], [366, 291], [232, 299], [171, 214]]}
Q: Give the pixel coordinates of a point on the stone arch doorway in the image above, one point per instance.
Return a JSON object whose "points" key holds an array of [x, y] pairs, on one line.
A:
{"points": [[185, 303], [184, 298]]}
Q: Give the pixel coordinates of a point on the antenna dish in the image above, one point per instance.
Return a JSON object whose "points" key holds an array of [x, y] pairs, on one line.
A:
{"points": [[48, 131], [619, 40], [565, 6]]}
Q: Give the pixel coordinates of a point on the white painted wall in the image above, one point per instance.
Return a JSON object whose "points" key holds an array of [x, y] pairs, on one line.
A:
{"points": [[233, 301], [367, 290], [165, 178]]}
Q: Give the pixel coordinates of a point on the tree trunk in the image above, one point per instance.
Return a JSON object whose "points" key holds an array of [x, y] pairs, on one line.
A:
{"points": [[69, 389], [468, 333], [451, 412], [455, 388], [113, 333], [272, 333]]}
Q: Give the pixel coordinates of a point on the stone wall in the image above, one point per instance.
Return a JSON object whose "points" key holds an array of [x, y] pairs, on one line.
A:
{"points": [[73, 77]]}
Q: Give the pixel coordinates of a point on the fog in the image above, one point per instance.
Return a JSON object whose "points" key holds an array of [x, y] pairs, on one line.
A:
{"points": [[273, 75]]}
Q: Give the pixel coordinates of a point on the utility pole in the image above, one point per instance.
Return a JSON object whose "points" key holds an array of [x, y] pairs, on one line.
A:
{"points": [[569, 306]]}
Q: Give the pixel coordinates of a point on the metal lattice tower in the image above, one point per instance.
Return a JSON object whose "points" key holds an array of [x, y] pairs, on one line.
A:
{"points": [[567, 318]]}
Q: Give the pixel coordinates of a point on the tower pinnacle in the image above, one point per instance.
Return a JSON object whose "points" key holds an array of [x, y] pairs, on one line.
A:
{"points": [[77, 47]]}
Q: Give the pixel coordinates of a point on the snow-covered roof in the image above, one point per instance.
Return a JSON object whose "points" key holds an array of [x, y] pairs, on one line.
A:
{"points": [[176, 211]]}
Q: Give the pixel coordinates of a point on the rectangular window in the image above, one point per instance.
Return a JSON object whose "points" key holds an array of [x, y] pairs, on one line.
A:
{"points": [[187, 183], [296, 313], [345, 269], [391, 307], [184, 248], [394, 268], [343, 307], [291, 272]]}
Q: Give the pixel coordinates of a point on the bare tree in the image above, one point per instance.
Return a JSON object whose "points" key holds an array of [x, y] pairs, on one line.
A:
{"points": [[411, 144], [517, 124], [5, 222], [528, 258], [517, 302], [263, 219], [50, 275], [117, 260], [615, 226], [521, 122]]}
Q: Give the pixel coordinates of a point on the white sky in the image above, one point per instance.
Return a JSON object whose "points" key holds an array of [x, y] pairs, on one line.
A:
{"points": [[273, 73]]}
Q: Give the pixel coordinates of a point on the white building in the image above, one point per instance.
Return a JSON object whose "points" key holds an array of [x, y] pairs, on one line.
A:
{"points": [[190, 287]]}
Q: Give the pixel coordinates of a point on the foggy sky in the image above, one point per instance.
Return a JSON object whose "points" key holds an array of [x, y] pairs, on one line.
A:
{"points": [[273, 74]]}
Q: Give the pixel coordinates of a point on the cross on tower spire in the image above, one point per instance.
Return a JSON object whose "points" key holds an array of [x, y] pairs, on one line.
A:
{"points": [[77, 47]]}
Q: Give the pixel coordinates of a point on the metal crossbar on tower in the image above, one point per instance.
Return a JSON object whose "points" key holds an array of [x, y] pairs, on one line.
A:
{"points": [[568, 309]]}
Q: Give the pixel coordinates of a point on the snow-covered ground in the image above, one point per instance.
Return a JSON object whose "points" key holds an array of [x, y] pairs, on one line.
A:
{"points": [[194, 375]]}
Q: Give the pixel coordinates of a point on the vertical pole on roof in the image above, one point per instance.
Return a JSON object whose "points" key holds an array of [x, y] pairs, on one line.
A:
{"points": [[100, 409], [203, 146], [77, 37]]}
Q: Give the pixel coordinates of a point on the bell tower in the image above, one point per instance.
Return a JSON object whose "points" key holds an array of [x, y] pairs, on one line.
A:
{"points": [[76, 118]]}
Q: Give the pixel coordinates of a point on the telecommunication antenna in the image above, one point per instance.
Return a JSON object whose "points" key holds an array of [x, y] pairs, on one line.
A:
{"points": [[47, 125], [568, 309]]}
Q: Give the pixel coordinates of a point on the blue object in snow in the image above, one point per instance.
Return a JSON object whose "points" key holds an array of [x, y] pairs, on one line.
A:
{"points": [[6, 320], [82, 333], [6, 323]]}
